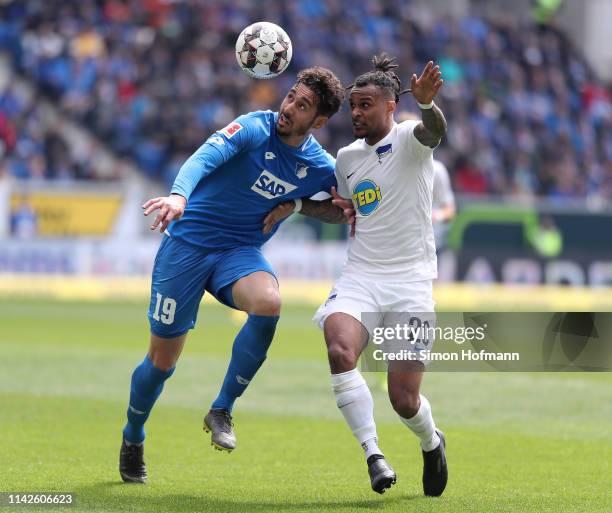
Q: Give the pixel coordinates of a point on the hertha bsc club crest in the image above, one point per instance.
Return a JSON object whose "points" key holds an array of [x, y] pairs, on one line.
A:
{"points": [[383, 151]]}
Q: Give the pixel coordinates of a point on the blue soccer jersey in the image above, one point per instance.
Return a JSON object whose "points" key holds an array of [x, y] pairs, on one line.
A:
{"points": [[241, 173]]}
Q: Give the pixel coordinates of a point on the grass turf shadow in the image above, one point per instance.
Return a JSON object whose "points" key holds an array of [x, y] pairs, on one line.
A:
{"points": [[121, 497]]}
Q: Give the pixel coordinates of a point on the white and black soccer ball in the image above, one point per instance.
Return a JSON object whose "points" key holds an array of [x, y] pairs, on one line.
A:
{"points": [[263, 50]]}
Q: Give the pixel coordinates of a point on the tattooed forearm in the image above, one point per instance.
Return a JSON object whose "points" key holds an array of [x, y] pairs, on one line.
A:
{"points": [[323, 210], [432, 128]]}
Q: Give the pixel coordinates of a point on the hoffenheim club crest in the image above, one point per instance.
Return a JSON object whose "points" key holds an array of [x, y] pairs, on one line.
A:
{"points": [[301, 171]]}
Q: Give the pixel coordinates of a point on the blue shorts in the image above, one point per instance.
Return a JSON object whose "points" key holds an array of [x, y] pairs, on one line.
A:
{"points": [[181, 274]]}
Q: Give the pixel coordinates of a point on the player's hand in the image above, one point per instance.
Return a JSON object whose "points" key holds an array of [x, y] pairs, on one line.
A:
{"points": [[277, 214], [170, 208], [347, 207], [425, 88]]}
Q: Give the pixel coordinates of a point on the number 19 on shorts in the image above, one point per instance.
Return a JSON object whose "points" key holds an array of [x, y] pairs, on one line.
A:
{"points": [[168, 309]]}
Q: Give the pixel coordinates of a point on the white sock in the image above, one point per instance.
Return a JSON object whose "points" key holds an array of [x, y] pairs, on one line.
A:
{"points": [[423, 426], [370, 447], [354, 400]]}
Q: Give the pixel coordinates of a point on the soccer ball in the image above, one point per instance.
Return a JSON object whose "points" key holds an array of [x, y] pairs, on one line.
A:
{"points": [[263, 50]]}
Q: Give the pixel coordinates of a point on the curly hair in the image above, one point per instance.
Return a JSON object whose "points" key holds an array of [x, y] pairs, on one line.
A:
{"points": [[382, 76], [326, 86]]}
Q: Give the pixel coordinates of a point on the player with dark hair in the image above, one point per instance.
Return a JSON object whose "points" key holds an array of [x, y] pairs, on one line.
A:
{"points": [[391, 262], [212, 221]]}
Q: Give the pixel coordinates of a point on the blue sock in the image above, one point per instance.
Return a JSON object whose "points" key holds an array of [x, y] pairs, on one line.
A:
{"points": [[248, 354], [147, 384]]}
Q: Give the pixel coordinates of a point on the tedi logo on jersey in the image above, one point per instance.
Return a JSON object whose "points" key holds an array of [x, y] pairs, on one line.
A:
{"points": [[383, 151], [270, 186], [366, 197]]}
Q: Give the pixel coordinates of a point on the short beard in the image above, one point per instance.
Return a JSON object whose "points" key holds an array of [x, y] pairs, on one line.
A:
{"points": [[280, 130], [291, 132]]}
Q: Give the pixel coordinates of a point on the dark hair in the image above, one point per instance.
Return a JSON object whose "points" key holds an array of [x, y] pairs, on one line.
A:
{"points": [[326, 86], [382, 76]]}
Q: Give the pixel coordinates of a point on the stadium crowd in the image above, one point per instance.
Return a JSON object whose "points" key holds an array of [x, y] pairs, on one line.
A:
{"points": [[30, 147], [153, 78]]}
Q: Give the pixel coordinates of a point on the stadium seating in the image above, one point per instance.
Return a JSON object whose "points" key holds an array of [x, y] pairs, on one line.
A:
{"points": [[527, 116]]}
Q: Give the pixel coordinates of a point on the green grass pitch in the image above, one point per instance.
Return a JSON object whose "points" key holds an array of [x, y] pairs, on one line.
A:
{"points": [[516, 442]]}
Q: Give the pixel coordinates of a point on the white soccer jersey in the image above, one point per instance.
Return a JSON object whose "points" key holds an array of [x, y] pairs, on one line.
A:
{"points": [[442, 190], [391, 186]]}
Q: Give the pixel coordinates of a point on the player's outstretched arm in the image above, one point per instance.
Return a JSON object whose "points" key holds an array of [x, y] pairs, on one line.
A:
{"points": [[170, 208], [424, 89], [336, 210]]}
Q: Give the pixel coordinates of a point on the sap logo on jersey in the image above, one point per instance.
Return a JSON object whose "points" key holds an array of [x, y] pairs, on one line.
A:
{"points": [[270, 186], [366, 197]]}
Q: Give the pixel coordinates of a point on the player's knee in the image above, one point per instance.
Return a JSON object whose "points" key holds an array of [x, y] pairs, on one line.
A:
{"points": [[405, 404], [268, 303], [162, 362], [341, 357], [164, 353]]}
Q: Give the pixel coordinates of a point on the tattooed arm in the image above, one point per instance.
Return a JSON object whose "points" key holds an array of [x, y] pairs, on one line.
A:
{"points": [[433, 126], [336, 210], [323, 210]]}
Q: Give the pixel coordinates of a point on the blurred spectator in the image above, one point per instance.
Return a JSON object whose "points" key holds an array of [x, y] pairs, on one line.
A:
{"points": [[469, 179], [31, 149], [154, 78], [544, 10], [24, 220]]}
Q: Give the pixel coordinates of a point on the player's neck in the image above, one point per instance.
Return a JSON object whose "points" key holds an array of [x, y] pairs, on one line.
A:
{"points": [[375, 138], [293, 140]]}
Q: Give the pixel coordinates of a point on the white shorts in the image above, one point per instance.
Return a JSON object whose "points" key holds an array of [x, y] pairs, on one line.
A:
{"points": [[378, 300], [382, 307]]}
